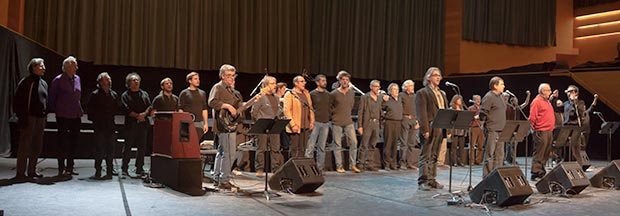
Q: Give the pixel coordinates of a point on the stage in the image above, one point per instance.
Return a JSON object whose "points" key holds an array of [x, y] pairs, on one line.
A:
{"points": [[369, 193]]}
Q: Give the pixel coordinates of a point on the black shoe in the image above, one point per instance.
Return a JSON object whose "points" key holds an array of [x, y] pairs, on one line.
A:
{"points": [[435, 184], [35, 175], [71, 172], [20, 179], [107, 177], [95, 177], [372, 169], [424, 187], [140, 172]]}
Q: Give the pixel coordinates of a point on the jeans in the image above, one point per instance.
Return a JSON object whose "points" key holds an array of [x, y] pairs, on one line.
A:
{"points": [[349, 132], [225, 156], [317, 141]]}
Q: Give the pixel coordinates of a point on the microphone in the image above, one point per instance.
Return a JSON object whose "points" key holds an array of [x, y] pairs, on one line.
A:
{"points": [[382, 92], [451, 84], [596, 113], [510, 93], [472, 101]]}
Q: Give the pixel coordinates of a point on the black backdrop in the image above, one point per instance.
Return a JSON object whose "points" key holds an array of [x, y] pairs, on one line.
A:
{"points": [[16, 51]]}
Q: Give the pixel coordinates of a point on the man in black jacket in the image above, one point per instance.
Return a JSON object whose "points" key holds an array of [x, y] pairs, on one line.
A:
{"points": [[30, 107], [429, 100], [103, 104]]}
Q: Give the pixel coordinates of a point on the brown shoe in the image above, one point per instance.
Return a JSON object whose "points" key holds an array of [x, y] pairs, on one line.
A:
{"points": [[412, 167], [355, 169], [226, 185], [340, 170], [260, 174]]}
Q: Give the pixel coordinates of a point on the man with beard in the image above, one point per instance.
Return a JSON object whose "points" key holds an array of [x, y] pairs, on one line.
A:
{"points": [[318, 137]]}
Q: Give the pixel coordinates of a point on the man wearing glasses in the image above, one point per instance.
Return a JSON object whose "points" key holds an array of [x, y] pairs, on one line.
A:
{"points": [[223, 95], [429, 100], [298, 108], [368, 125]]}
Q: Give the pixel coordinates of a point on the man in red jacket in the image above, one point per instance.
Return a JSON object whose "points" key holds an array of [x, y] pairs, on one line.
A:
{"points": [[542, 119]]}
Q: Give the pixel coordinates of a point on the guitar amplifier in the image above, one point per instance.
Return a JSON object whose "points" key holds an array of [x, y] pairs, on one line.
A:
{"points": [[174, 135]]}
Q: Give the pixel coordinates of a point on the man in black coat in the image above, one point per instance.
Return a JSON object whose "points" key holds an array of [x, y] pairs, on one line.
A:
{"points": [[429, 100]]}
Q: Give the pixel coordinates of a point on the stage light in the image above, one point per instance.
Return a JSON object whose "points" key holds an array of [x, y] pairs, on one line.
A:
{"points": [[599, 24], [602, 14], [597, 35]]}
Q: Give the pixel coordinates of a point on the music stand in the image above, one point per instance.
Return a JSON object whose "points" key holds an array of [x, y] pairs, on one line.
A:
{"points": [[452, 119], [609, 128], [568, 136], [515, 131], [265, 127]]}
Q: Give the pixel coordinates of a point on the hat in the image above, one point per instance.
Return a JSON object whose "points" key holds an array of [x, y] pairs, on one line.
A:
{"points": [[571, 88]]}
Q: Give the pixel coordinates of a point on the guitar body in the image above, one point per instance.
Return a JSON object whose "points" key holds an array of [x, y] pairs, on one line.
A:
{"points": [[229, 120]]}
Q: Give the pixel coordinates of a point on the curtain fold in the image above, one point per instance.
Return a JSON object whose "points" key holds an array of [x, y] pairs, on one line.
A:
{"points": [[399, 38], [513, 22]]}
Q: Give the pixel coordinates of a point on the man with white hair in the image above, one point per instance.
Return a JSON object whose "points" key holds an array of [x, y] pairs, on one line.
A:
{"points": [[64, 100], [409, 126], [542, 120]]}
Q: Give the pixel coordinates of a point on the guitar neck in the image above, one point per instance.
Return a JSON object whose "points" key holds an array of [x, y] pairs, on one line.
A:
{"points": [[249, 103]]}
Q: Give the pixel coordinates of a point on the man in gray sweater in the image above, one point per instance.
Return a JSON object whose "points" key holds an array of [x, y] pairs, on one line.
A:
{"points": [[342, 100]]}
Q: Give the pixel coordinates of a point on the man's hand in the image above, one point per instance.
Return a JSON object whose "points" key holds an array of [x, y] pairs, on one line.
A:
{"points": [[360, 131], [296, 129], [426, 135]]}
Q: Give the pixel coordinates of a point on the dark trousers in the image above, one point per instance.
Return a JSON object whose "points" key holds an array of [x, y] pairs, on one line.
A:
{"points": [[30, 144], [457, 145], [542, 148], [428, 156], [408, 141], [298, 143], [105, 141], [511, 152], [368, 146], [135, 136], [68, 133], [391, 134], [274, 148], [493, 152]]}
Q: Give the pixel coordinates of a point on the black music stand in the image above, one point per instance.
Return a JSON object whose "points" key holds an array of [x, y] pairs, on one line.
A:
{"points": [[452, 119], [515, 131], [268, 126], [609, 128], [568, 135]]}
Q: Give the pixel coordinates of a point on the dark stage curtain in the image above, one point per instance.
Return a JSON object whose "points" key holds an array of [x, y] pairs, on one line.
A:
{"points": [[513, 22], [393, 40], [398, 39], [15, 53]]}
